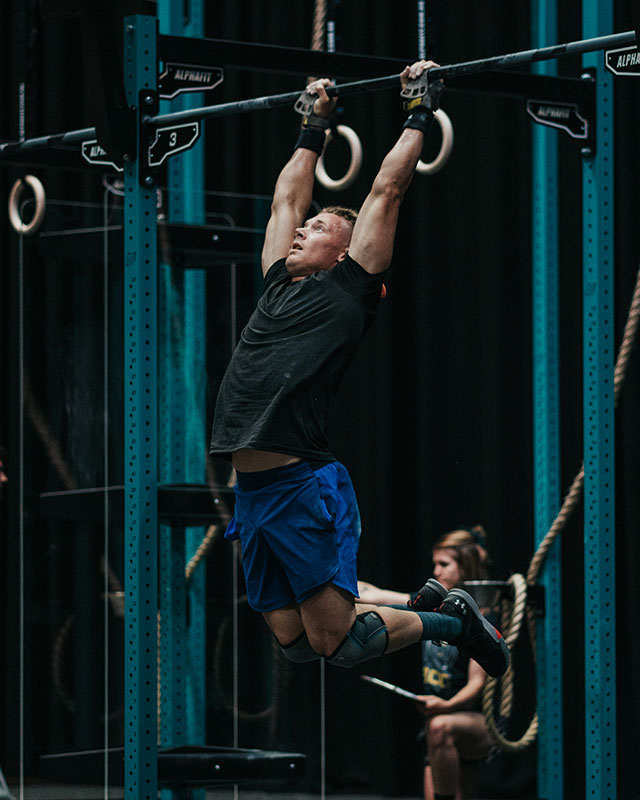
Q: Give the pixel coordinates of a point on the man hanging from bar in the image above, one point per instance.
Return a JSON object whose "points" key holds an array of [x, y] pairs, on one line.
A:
{"points": [[296, 513]]}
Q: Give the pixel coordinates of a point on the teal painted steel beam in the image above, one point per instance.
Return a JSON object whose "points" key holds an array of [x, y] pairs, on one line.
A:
{"points": [[187, 204], [172, 593], [599, 448], [183, 429], [141, 446], [10, 149], [546, 422]]}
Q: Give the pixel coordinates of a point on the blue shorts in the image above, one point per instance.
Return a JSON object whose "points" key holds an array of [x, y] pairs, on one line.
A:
{"points": [[299, 529]]}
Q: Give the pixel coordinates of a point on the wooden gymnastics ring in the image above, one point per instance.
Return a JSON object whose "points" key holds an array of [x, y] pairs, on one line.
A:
{"points": [[446, 128], [337, 185], [17, 190]]}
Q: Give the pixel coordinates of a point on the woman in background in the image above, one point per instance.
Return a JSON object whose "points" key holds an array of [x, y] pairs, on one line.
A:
{"points": [[456, 734]]}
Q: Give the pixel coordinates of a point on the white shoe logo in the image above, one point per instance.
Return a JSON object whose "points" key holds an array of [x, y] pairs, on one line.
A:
{"points": [[458, 602]]}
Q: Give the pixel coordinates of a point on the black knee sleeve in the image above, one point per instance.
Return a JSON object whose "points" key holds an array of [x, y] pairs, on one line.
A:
{"points": [[368, 638], [300, 651]]}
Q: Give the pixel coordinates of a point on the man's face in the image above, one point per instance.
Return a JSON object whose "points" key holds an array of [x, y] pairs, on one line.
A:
{"points": [[319, 244]]}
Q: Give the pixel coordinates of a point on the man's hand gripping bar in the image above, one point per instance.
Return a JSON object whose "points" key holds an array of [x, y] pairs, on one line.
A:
{"points": [[422, 91]]}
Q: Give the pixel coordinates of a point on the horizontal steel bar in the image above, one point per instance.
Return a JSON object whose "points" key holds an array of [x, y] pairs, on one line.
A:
{"points": [[500, 82], [40, 142], [348, 66], [356, 87], [375, 84], [300, 61], [249, 56], [537, 54], [518, 83]]}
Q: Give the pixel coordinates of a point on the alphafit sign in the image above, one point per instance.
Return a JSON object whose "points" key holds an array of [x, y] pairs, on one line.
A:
{"points": [[623, 61]]}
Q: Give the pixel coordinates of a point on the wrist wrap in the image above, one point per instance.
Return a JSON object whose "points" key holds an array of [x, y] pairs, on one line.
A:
{"points": [[311, 139], [419, 118], [314, 121]]}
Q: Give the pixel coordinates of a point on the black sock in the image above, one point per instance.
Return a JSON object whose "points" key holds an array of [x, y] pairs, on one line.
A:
{"points": [[439, 626], [437, 796]]}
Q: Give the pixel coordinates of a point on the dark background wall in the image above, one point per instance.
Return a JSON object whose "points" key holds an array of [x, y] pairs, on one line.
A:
{"points": [[434, 419]]}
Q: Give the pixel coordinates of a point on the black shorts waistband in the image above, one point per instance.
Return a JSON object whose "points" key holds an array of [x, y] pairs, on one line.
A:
{"points": [[298, 470]]}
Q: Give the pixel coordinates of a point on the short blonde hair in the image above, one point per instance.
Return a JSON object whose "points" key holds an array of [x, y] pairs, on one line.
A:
{"points": [[350, 214]]}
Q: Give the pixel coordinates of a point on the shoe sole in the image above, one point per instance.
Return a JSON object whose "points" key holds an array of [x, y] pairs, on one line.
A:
{"points": [[438, 588], [497, 637]]}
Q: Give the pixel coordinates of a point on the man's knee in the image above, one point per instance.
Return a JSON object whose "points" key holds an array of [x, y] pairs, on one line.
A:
{"points": [[367, 638], [300, 650]]}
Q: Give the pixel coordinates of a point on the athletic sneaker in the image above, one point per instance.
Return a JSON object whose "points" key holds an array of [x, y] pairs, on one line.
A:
{"points": [[479, 639], [429, 597]]}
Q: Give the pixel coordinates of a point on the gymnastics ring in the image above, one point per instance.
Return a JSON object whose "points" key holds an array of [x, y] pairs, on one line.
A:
{"points": [[446, 127], [29, 228], [354, 167]]}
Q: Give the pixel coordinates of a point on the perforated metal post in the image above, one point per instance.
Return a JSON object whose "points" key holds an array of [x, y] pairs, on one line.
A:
{"points": [[173, 594], [183, 404], [546, 422], [141, 444], [598, 367], [186, 178]]}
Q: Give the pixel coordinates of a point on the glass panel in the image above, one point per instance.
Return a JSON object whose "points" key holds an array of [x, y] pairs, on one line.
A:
{"points": [[255, 698], [69, 660], [223, 680]]}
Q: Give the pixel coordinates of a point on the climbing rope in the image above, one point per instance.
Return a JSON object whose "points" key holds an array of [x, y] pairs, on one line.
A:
{"points": [[320, 26], [213, 530], [511, 626], [280, 669], [63, 634], [319, 22], [512, 622], [203, 548], [45, 434]]}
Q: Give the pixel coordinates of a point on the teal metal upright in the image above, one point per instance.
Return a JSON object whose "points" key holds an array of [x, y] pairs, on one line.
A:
{"points": [[599, 450], [141, 453], [182, 429], [546, 420]]}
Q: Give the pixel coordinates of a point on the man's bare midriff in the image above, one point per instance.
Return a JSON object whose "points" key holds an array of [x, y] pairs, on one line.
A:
{"points": [[258, 460]]}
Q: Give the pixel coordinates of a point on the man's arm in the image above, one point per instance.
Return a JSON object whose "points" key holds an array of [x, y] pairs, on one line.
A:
{"points": [[379, 597], [375, 229], [294, 188]]}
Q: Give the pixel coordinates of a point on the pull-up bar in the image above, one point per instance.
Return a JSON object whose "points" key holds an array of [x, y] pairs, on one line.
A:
{"points": [[375, 84], [356, 87]]}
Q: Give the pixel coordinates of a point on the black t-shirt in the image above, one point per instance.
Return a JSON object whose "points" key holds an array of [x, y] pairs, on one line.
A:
{"points": [[278, 389], [444, 669]]}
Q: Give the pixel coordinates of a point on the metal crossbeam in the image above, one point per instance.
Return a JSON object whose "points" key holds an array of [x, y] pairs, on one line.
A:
{"points": [[52, 140], [8, 149], [376, 84]]}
